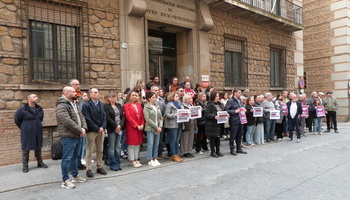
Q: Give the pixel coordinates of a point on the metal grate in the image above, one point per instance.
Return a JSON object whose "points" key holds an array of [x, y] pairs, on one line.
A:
{"points": [[55, 30], [277, 67]]}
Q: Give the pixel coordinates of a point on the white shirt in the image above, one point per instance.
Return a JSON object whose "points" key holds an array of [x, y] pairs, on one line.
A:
{"points": [[293, 109]]}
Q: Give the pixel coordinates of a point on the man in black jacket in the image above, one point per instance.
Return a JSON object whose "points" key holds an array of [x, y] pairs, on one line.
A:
{"points": [[233, 107], [294, 113], [96, 121]]}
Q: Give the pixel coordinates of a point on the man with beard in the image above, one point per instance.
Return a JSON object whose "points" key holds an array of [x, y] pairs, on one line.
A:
{"points": [[71, 126]]}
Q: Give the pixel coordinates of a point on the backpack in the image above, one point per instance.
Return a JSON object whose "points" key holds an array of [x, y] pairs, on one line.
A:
{"points": [[56, 150]]}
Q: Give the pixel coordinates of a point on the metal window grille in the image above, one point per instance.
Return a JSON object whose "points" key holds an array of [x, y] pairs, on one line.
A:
{"points": [[235, 62], [277, 67], [55, 31]]}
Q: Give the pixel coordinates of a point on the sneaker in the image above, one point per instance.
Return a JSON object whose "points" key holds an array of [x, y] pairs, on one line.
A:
{"points": [[101, 171], [152, 163], [68, 185], [320, 133], [298, 140], [336, 131], [279, 139], [83, 161], [134, 164], [157, 162], [78, 179], [138, 162], [224, 136], [315, 133], [200, 152]]}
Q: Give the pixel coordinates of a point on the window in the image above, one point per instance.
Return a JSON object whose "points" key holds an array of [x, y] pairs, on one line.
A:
{"points": [[54, 54], [277, 67], [234, 62], [55, 39]]}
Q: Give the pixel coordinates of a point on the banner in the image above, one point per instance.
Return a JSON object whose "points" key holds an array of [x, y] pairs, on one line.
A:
{"points": [[258, 112], [274, 114], [183, 115], [223, 117], [196, 112], [305, 109], [320, 112], [242, 116], [284, 109]]}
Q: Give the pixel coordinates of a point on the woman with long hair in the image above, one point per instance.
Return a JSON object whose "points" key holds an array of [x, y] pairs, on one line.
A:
{"points": [[201, 139], [134, 123], [154, 123], [115, 124]]}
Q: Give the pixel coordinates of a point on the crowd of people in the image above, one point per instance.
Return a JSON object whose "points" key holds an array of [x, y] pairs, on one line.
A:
{"points": [[116, 126]]}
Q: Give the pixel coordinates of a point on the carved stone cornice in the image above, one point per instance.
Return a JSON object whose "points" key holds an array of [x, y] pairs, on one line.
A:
{"points": [[136, 8]]}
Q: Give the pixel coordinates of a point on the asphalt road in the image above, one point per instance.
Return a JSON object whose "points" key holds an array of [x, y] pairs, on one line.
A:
{"points": [[316, 168]]}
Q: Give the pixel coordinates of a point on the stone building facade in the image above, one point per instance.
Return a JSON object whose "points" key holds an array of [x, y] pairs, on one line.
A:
{"points": [[112, 43], [326, 42]]}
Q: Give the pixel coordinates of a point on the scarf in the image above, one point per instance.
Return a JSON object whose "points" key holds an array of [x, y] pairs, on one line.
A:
{"points": [[177, 105]]}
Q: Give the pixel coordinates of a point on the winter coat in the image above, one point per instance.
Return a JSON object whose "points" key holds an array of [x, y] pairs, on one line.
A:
{"points": [[249, 115], [169, 115], [110, 115], [133, 119], [259, 120], [95, 116], [212, 128], [299, 109], [151, 116], [191, 125], [67, 120], [201, 121], [31, 127]]}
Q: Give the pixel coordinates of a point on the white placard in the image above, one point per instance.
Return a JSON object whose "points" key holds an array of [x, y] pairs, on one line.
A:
{"points": [[183, 115], [258, 111], [196, 112], [223, 117], [274, 114], [205, 77]]}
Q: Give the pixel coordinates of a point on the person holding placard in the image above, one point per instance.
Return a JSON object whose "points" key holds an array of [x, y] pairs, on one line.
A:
{"points": [[302, 101], [212, 127], [250, 121], [259, 129], [174, 128], [269, 123], [187, 136], [317, 120], [201, 139], [233, 107], [279, 122], [294, 113]]}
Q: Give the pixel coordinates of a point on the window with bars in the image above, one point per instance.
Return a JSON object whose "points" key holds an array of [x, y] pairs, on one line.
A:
{"points": [[234, 62], [54, 41], [277, 67]]}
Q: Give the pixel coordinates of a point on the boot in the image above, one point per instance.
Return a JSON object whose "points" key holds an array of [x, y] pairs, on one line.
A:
{"points": [[39, 159], [179, 158], [25, 159], [175, 158]]}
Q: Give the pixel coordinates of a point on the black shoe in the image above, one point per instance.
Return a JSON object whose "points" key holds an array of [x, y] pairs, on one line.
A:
{"points": [[89, 174], [241, 151], [81, 167], [327, 131], [101, 171], [42, 165], [186, 155], [191, 155], [233, 153], [220, 154], [25, 169], [214, 155], [336, 131], [115, 169], [267, 140]]}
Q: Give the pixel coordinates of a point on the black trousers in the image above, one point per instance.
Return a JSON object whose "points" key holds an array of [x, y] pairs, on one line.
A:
{"points": [[279, 130], [333, 115], [236, 136], [201, 139], [25, 156], [309, 121], [214, 144]]}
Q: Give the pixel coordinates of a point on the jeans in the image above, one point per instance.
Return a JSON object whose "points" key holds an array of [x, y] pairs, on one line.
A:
{"points": [[160, 146], [236, 136], [83, 147], [114, 150], [269, 125], [123, 145], [317, 124], [173, 139], [249, 134], [294, 123], [71, 154], [152, 145]]}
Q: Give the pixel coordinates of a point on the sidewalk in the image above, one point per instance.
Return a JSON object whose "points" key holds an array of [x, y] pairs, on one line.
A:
{"points": [[14, 179]]}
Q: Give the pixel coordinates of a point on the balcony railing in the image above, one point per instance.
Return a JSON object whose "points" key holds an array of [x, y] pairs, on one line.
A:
{"points": [[283, 8]]}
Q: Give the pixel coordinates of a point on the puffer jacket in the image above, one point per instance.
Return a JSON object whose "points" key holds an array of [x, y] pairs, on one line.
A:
{"points": [[67, 120]]}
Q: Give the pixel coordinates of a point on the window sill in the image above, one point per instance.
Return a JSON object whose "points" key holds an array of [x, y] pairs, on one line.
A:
{"points": [[42, 87], [277, 88]]}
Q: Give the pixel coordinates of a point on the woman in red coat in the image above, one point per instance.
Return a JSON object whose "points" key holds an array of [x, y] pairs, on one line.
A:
{"points": [[134, 123]]}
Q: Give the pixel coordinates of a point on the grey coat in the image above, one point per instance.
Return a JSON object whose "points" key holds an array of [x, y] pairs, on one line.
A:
{"points": [[169, 115]]}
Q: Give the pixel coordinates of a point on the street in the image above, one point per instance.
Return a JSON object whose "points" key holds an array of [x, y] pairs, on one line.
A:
{"points": [[316, 168]]}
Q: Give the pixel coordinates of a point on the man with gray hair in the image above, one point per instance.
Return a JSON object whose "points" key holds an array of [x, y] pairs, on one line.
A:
{"points": [[269, 124], [294, 113]]}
